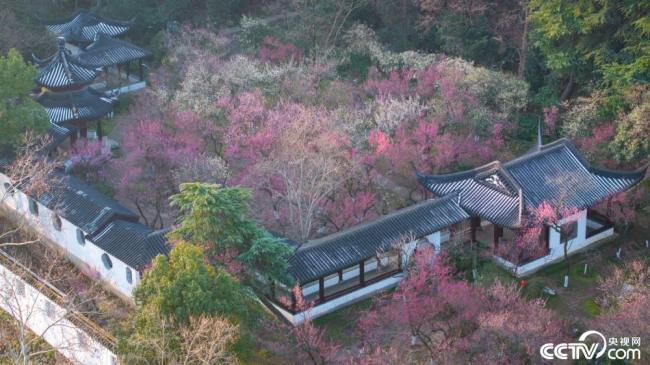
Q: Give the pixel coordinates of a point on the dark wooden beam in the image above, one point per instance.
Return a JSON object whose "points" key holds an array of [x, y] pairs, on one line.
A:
{"points": [[99, 130], [321, 289], [340, 276], [140, 70], [362, 273], [128, 70]]}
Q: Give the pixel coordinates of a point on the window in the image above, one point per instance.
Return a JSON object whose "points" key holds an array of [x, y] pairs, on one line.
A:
{"points": [[33, 207], [81, 239], [568, 231], [107, 261], [20, 287], [50, 311], [56, 221], [129, 276]]}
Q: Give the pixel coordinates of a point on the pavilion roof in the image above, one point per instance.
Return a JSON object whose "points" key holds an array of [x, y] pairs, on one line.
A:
{"points": [[58, 134], [555, 172], [70, 106], [62, 70], [341, 250], [82, 26], [107, 51]]}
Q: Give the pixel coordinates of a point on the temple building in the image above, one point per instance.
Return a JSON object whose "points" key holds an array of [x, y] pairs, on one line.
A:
{"points": [[63, 72], [106, 51], [487, 204], [74, 110], [82, 27]]}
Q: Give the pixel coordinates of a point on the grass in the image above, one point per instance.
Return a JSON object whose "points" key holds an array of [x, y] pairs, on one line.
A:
{"points": [[591, 307], [340, 324]]}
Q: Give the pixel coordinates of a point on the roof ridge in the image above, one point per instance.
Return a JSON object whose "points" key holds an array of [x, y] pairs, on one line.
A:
{"points": [[323, 240], [469, 173]]}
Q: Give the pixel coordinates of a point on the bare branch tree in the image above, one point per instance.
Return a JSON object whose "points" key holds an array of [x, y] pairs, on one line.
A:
{"points": [[39, 308]]}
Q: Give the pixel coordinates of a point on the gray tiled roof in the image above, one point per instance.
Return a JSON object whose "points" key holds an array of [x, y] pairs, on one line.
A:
{"points": [[62, 71], [82, 26], [133, 243], [107, 51], [551, 172], [82, 205], [329, 254], [58, 135], [82, 105]]}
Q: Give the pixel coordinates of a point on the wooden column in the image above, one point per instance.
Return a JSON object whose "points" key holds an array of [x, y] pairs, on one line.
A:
{"points": [[362, 273], [140, 70], [340, 276], [272, 287], [83, 131], [321, 289], [128, 70], [498, 232], [99, 130], [73, 138], [475, 223]]}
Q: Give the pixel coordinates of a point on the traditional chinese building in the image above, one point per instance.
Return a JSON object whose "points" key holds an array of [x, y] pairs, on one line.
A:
{"points": [[64, 72], [74, 110], [106, 51], [498, 196], [487, 204], [82, 27]]}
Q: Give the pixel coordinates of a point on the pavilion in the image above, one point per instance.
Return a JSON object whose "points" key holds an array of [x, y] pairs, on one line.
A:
{"points": [[498, 196], [106, 51], [63, 72], [82, 27], [75, 109]]}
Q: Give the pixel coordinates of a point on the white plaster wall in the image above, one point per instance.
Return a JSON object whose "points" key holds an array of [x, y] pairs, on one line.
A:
{"points": [[85, 257], [554, 239], [557, 251], [31, 308]]}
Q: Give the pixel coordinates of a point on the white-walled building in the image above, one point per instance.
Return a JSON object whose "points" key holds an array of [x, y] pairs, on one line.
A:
{"points": [[494, 199], [100, 236]]}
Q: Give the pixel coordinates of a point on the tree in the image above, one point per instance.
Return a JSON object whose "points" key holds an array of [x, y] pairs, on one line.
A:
{"points": [[183, 285], [292, 156], [88, 158], [604, 40], [18, 112], [217, 219], [304, 342], [207, 340], [631, 142], [455, 322], [182, 302], [555, 217], [32, 173], [154, 148], [624, 296], [38, 309], [483, 31], [429, 307]]}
